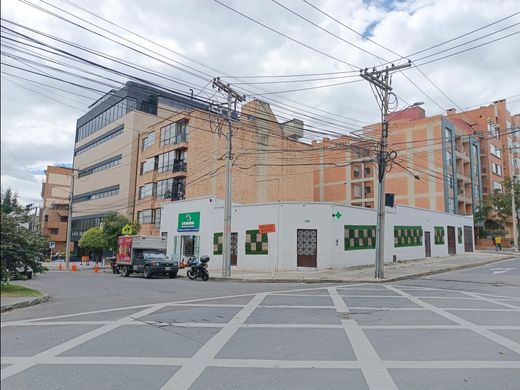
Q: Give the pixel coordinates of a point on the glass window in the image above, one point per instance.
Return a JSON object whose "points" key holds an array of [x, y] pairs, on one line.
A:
{"points": [[148, 165], [148, 141], [147, 190], [164, 188], [166, 161], [497, 186], [145, 216], [157, 216], [449, 158]]}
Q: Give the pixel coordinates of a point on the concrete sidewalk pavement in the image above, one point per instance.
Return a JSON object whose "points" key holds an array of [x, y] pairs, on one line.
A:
{"points": [[365, 274]]}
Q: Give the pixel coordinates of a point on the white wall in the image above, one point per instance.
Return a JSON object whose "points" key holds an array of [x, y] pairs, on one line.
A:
{"points": [[289, 217]]}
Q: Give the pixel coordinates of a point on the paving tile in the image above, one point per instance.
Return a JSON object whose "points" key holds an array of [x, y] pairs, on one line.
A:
{"points": [[263, 315], [483, 317], [398, 317], [297, 301], [202, 314], [380, 302]]}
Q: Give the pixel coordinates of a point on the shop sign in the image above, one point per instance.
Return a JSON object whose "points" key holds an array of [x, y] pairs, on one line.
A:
{"points": [[189, 222], [269, 228]]}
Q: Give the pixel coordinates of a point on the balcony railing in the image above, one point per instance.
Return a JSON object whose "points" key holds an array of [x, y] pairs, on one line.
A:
{"points": [[179, 166], [182, 137]]}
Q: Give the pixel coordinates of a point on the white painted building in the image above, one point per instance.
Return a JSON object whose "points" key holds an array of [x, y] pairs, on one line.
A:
{"points": [[317, 234]]}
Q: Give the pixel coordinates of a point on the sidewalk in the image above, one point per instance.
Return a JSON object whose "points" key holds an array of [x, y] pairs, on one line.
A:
{"points": [[17, 303], [365, 274]]}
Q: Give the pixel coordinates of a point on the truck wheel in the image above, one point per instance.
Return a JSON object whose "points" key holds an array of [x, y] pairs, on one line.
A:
{"points": [[173, 275], [125, 271], [191, 274], [147, 272]]}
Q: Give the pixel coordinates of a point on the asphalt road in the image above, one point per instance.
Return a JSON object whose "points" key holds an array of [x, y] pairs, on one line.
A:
{"points": [[458, 330]]}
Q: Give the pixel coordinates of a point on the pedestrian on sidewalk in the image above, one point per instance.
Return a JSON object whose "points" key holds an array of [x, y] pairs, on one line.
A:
{"points": [[498, 243]]}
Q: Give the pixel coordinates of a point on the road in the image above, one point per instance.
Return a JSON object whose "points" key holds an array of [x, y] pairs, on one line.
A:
{"points": [[458, 330]]}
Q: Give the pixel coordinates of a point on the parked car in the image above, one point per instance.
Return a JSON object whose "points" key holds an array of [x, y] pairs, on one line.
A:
{"points": [[23, 270]]}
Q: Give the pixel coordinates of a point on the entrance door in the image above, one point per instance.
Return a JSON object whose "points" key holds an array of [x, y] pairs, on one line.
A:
{"points": [[234, 248], [452, 246], [307, 247], [427, 245], [468, 239]]}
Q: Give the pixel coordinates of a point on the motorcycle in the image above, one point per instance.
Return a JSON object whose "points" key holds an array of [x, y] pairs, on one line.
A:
{"points": [[198, 267]]}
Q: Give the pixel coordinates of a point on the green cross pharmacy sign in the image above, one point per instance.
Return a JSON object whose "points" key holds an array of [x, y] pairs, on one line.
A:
{"points": [[189, 222]]}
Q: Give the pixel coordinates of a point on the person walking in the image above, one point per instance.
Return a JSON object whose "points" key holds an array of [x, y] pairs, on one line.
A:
{"points": [[498, 243]]}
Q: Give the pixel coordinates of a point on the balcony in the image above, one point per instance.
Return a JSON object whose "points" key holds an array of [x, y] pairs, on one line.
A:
{"points": [[179, 193], [179, 166], [182, 137]]}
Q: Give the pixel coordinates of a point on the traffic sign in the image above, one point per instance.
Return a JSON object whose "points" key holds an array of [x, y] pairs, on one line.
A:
{"points": [[52, 244]]}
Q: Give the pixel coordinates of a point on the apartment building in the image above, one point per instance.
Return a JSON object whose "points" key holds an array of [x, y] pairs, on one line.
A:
{"points": [[106, 151], [435, 164], [184, 156], [494, 125], [54, 213]]}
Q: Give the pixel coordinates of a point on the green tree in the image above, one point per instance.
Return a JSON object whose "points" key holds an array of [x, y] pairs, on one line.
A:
{"points": [[19, 246], [93, 240], [500, 202], [113, 224]]}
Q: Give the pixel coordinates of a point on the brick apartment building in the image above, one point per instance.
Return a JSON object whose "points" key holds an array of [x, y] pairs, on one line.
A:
{"points": [[55, 211], [436, 165], [184, 157]]}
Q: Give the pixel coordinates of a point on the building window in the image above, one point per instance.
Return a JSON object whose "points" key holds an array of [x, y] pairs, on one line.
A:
{"points": [[496, 168], [164, 188], [451, 205], [497, 187], [450, 181], [148, 189], [54, 230], [108, 116], [148, 165], [64, 218], [46, 219], [179, 188], [493, 129], [447, 134], [113, 191], [112, 162], [148, 141], [449, 159], [157, 217], [145, 216], [173, 133], [96, 142], [166, 161], [495, 151]]}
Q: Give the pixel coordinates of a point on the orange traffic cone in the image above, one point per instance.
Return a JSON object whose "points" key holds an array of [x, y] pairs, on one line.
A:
{"points": [[73, 268], [60, 267], [96, 268]]}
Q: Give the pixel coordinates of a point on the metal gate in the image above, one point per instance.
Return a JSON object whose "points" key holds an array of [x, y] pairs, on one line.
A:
{"points": [[452, 246], [307, 247], [234, 248], [468, 239], [427, 245]]}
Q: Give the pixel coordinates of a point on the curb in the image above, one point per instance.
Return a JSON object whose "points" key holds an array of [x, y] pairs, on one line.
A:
{"points": [[363, 280], [26, 303]]}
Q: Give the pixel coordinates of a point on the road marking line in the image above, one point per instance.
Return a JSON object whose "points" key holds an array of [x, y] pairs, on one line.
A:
{"points": [[189, 373], [451, 364], [505, 342], [295, 307], [404, 287], [170, 303], [376, 375], [74, 342], [257, 363], [516, 308]]}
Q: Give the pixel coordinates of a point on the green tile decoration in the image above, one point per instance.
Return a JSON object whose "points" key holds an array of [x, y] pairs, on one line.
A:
{"points": [[459, 235], [359, 237], [439, 235], [408, 236], [218, 239], [256, 243]]}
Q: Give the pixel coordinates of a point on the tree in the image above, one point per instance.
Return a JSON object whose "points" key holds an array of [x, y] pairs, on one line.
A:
{"points": [[93, 240], [113, 225], [19, 246], [501, 202]]}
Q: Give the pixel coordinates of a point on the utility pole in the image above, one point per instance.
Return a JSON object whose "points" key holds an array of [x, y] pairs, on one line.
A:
{"points": [[231, 95], [513, 202], [381, 80], [69, 222]]}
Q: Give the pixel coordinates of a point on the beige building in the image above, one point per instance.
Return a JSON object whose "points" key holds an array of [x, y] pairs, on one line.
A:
{"points": [[54, 213]]}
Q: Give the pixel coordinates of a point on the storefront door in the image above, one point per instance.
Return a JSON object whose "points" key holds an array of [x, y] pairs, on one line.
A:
{"points": [[307, 247]]}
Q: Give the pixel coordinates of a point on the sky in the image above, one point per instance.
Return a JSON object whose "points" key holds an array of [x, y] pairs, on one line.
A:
{"points": [[189, 42]]}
